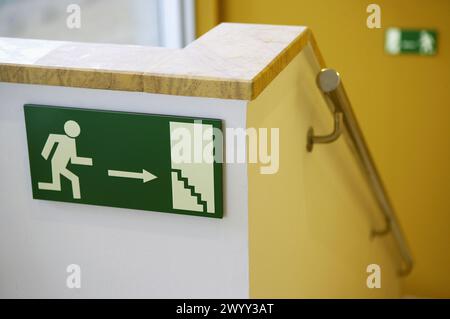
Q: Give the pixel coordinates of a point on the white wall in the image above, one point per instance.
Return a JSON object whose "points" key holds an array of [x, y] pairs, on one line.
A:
{"points": [[122, 253]]}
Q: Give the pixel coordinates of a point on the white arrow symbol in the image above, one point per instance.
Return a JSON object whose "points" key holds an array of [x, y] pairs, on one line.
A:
{"points": [[145, 176]]}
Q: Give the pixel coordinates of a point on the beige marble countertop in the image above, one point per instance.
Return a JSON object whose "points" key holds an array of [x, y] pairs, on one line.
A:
{"points": [[232, 61]]}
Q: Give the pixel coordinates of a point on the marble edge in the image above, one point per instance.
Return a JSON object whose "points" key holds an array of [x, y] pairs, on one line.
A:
{"points": [[159, 83]]}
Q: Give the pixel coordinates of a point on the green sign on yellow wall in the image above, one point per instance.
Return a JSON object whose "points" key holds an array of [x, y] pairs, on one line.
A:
{"points": [[410, 41], [121, 159]]}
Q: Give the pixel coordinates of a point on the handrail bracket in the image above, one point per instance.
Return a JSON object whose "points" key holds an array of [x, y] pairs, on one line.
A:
{"points": [[325, 139]]}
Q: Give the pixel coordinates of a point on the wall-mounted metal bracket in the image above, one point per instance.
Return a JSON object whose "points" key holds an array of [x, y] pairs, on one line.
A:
{"points": [[324, 139], [382, 232]]}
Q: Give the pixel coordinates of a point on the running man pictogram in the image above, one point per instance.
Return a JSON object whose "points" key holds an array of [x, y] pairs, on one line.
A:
{"points": [[66, 150]]}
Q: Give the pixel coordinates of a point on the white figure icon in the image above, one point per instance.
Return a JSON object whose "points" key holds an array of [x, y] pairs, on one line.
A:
{"points": [[426, 43], [66, 151]]}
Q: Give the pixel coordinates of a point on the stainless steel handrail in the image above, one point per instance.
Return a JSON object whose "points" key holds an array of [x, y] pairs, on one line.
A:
{"points": [[329, 82]]}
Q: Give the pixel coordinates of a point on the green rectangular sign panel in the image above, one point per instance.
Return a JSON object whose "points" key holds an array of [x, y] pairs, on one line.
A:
{"points": [[410, 41], [130, 160]]}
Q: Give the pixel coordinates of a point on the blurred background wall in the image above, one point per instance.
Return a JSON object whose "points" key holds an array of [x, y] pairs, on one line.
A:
{"points": [[111, 21], [166, 23], [402, 103]]}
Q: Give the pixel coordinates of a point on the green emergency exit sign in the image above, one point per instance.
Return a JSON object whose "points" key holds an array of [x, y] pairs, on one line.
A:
{"points": [[410, 41], [129, 160]]}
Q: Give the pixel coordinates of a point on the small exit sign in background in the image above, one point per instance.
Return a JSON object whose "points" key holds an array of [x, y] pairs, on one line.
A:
{"points": [[411, 41]]}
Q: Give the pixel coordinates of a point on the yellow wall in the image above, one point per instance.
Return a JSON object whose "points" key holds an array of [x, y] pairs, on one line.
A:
{"points": [[207, 13], [310, 223], [402, 103]]}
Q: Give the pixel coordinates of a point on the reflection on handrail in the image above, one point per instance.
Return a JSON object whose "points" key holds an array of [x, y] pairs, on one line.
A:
{"points": [[329, 82]]}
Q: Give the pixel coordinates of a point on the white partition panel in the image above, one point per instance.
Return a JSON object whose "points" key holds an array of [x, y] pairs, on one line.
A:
{"points": [[121, 252]]}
